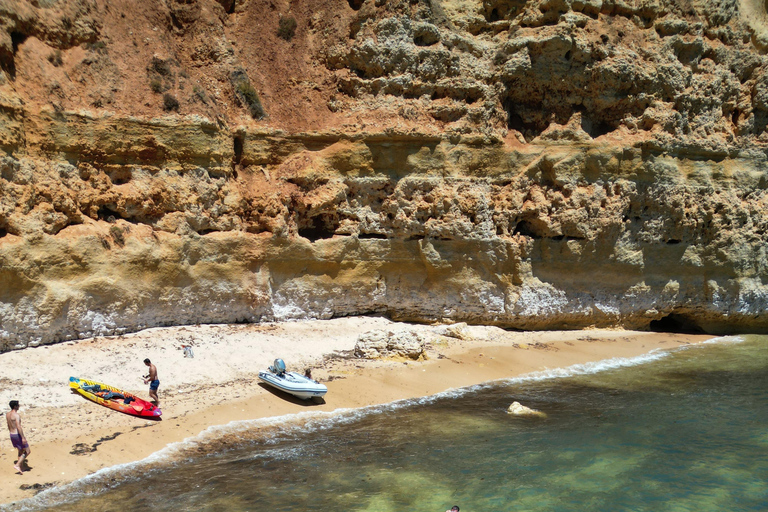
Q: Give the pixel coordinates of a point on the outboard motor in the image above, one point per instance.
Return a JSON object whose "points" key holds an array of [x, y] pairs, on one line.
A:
{"points": [[279, 367]]}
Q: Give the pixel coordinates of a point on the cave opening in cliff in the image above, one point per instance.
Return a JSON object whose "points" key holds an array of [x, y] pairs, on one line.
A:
{"points": [[526, 228], [595, 128], [237, 149], [319, 228], [529, 130], [17, 39], [8, 61], [677, 323], [761, 122], [108, 214], [120, 175]]}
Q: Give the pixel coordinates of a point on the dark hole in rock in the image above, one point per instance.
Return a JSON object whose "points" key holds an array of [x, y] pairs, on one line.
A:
{"points": [[515, 121], [525, 228], [107, 213], [676, 323], [318, 230], [595, 128], [237, 148], [120, 176], [17, 38]]}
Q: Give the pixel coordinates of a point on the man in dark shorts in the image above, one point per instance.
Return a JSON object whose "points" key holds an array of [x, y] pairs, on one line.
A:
{"points": [[153, 381], [18, 439]]}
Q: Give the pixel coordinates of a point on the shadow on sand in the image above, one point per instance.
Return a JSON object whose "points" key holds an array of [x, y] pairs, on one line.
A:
{"points": [[310, 402]]}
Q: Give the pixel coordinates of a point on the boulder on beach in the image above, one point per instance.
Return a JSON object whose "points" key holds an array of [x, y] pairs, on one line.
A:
{"points": [[382, 344], [457, 330]]}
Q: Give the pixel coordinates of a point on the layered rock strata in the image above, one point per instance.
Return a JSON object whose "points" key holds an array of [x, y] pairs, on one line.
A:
{"points": [[531, 165], [532, 237]]}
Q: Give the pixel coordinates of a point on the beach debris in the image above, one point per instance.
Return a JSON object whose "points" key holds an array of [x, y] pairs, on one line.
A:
{"points": [[458, 331], [381, 344], [85, 449], [543, 346], [519, 409], [82, 449], [188, 351], [37, 487]]}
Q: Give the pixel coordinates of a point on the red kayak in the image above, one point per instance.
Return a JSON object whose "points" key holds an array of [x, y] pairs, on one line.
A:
{"points": [[114, 398]]}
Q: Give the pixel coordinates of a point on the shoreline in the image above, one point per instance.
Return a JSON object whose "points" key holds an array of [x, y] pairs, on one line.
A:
{"points": [[71, 437]]}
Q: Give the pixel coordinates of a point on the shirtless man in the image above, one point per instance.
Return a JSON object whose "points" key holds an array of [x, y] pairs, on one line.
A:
{"points": [[18, 438], [153, 381]]}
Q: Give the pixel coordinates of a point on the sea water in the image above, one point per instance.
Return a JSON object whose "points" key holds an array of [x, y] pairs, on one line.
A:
{"points": [[685, 430]]}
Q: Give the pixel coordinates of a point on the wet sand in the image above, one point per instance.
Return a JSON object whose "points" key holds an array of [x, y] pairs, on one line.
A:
{"points": [[71, 437]]}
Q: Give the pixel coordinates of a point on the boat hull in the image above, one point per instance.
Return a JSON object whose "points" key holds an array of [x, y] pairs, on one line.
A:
{"points": [[137, 407], [294, 384]]}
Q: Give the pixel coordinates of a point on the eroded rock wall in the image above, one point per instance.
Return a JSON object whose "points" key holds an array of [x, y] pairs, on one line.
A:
{"points": [[531, 165], [535, 237]]}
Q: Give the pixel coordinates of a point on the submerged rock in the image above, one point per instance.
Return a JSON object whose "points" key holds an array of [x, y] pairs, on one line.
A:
{"points": [[519, 409]]}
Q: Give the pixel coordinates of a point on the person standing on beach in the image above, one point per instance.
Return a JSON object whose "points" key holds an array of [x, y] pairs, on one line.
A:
{"points": [[18, 439], [153, 381]]}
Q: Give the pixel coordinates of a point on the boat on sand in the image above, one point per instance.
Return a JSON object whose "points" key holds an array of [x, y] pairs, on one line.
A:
{"points": [[114, 398], [290, 382]]}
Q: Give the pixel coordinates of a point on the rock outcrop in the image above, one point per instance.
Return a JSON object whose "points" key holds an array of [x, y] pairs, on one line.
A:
{"points": [[458, 331], [531, 165], [388, 344]]}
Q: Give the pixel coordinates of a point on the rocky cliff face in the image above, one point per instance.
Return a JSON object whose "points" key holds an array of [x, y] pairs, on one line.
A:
{"points": [[540, 164]]}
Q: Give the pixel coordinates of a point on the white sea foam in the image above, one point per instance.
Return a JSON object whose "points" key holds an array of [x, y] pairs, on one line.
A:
{"points": [[720, 339], [273, 430], [554, 373]]}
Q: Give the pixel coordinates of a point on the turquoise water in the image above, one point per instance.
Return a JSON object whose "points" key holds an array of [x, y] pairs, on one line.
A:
{"points": [[680, 431]]}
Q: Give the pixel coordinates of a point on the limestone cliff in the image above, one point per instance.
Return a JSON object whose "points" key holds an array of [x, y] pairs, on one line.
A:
{"points": [[540, 164]]}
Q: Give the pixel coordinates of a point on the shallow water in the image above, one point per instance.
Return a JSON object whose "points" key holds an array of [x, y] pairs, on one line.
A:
{"points": [[674, 432]]}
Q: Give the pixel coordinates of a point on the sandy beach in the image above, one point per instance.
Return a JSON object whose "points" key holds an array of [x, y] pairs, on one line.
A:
{"points": [[71, 437]]}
